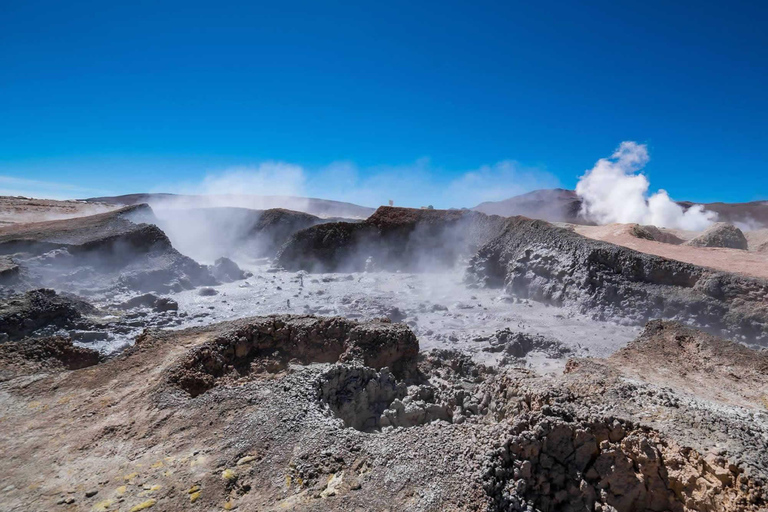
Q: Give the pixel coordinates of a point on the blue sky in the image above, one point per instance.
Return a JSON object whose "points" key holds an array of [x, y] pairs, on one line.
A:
{"points": [[443, 102]]}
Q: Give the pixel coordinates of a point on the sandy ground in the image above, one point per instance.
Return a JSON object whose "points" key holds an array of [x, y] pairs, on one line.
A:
{"points": [[729, 260], [17, 210], [758, 240]]}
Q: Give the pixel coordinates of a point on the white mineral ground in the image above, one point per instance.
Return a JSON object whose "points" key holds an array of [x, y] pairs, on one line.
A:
{"points": [[441, 310]]}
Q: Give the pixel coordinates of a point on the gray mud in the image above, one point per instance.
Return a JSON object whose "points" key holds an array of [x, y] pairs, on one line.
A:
{"points": [[439, 308]]}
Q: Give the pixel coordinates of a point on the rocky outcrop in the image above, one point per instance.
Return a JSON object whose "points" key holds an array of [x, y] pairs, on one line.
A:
{"points": [[671, 354], [536, 260], [721, 234], [556, 463], [23, 314], [224, 269], [655, 234], [101, 251], [390, 239], [517, 345], [269, 343], [150, 301], [50, 354], [9, 271], [209, 233], [275, 227]]}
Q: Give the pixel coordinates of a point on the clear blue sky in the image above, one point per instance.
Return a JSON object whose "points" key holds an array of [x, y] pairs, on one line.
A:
{"points": [[124, 97]]}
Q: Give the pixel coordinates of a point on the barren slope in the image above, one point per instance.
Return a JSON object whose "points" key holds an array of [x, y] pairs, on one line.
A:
{"points": [[222, 416], [728, 260]]}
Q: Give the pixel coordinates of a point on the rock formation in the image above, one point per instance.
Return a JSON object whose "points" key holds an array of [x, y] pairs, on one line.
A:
{"points": [[721, 234]]}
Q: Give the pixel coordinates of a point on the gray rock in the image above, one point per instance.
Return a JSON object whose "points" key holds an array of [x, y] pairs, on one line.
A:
{"points": [[721, 234]]}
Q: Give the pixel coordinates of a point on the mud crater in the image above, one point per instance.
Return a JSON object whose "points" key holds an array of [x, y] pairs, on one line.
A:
{"points": [[269, 344]]}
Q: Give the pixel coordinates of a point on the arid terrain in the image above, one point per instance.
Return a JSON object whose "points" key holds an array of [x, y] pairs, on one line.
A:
{"points": [[202, 357]]}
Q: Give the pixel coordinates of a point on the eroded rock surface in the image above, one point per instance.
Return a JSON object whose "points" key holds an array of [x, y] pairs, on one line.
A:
{"points": [[302, 435], [391, 238], [98, 252], [31, 356], [23, 314], [536, 260], [270, 344], [721, 234]]}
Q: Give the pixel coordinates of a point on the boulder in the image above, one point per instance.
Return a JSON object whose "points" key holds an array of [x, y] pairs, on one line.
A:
{"points": [[721, 234], [224, 269]]}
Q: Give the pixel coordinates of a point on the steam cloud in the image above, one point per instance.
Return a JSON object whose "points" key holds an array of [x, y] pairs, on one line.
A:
{"points": [[615, 190]]}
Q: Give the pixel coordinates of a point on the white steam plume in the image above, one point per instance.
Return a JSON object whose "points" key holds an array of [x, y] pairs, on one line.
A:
{"points": [[615, 190]]}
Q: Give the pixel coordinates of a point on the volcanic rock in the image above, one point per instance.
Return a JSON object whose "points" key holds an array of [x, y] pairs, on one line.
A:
{"points": [[720, 234], [536, 260], [655, 234], [152, 301], [101, 251], [519, 344], [9, 271], [224, 269], [23, 314], [304, 339], [43, 354], [265, 432], [390, 239]]}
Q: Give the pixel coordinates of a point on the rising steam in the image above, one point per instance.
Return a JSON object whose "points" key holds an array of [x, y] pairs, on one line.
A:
{"points": [[615, 190]]}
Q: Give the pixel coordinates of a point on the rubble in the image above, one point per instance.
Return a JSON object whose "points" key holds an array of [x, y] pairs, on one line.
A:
{"points": [[332, 427]]}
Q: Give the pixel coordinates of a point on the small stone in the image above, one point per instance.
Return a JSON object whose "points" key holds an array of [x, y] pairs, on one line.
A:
{"points": [[91, 493], [144, 505]]}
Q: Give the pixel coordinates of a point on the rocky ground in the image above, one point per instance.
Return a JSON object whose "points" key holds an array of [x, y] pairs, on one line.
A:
{"points": [[18, 210], [328, 414], [510, 369]]}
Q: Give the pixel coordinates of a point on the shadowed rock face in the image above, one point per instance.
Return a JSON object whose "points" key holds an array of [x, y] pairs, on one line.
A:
{"points": [[536, 260], [209, 233], [393, 239], [274, 227], [23, 314], [655, 234], [101, 251]]}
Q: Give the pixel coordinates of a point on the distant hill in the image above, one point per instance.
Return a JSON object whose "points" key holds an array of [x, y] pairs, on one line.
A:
{"points": [[753, 215], [553, 205], [561, 205], [320, 207]]}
